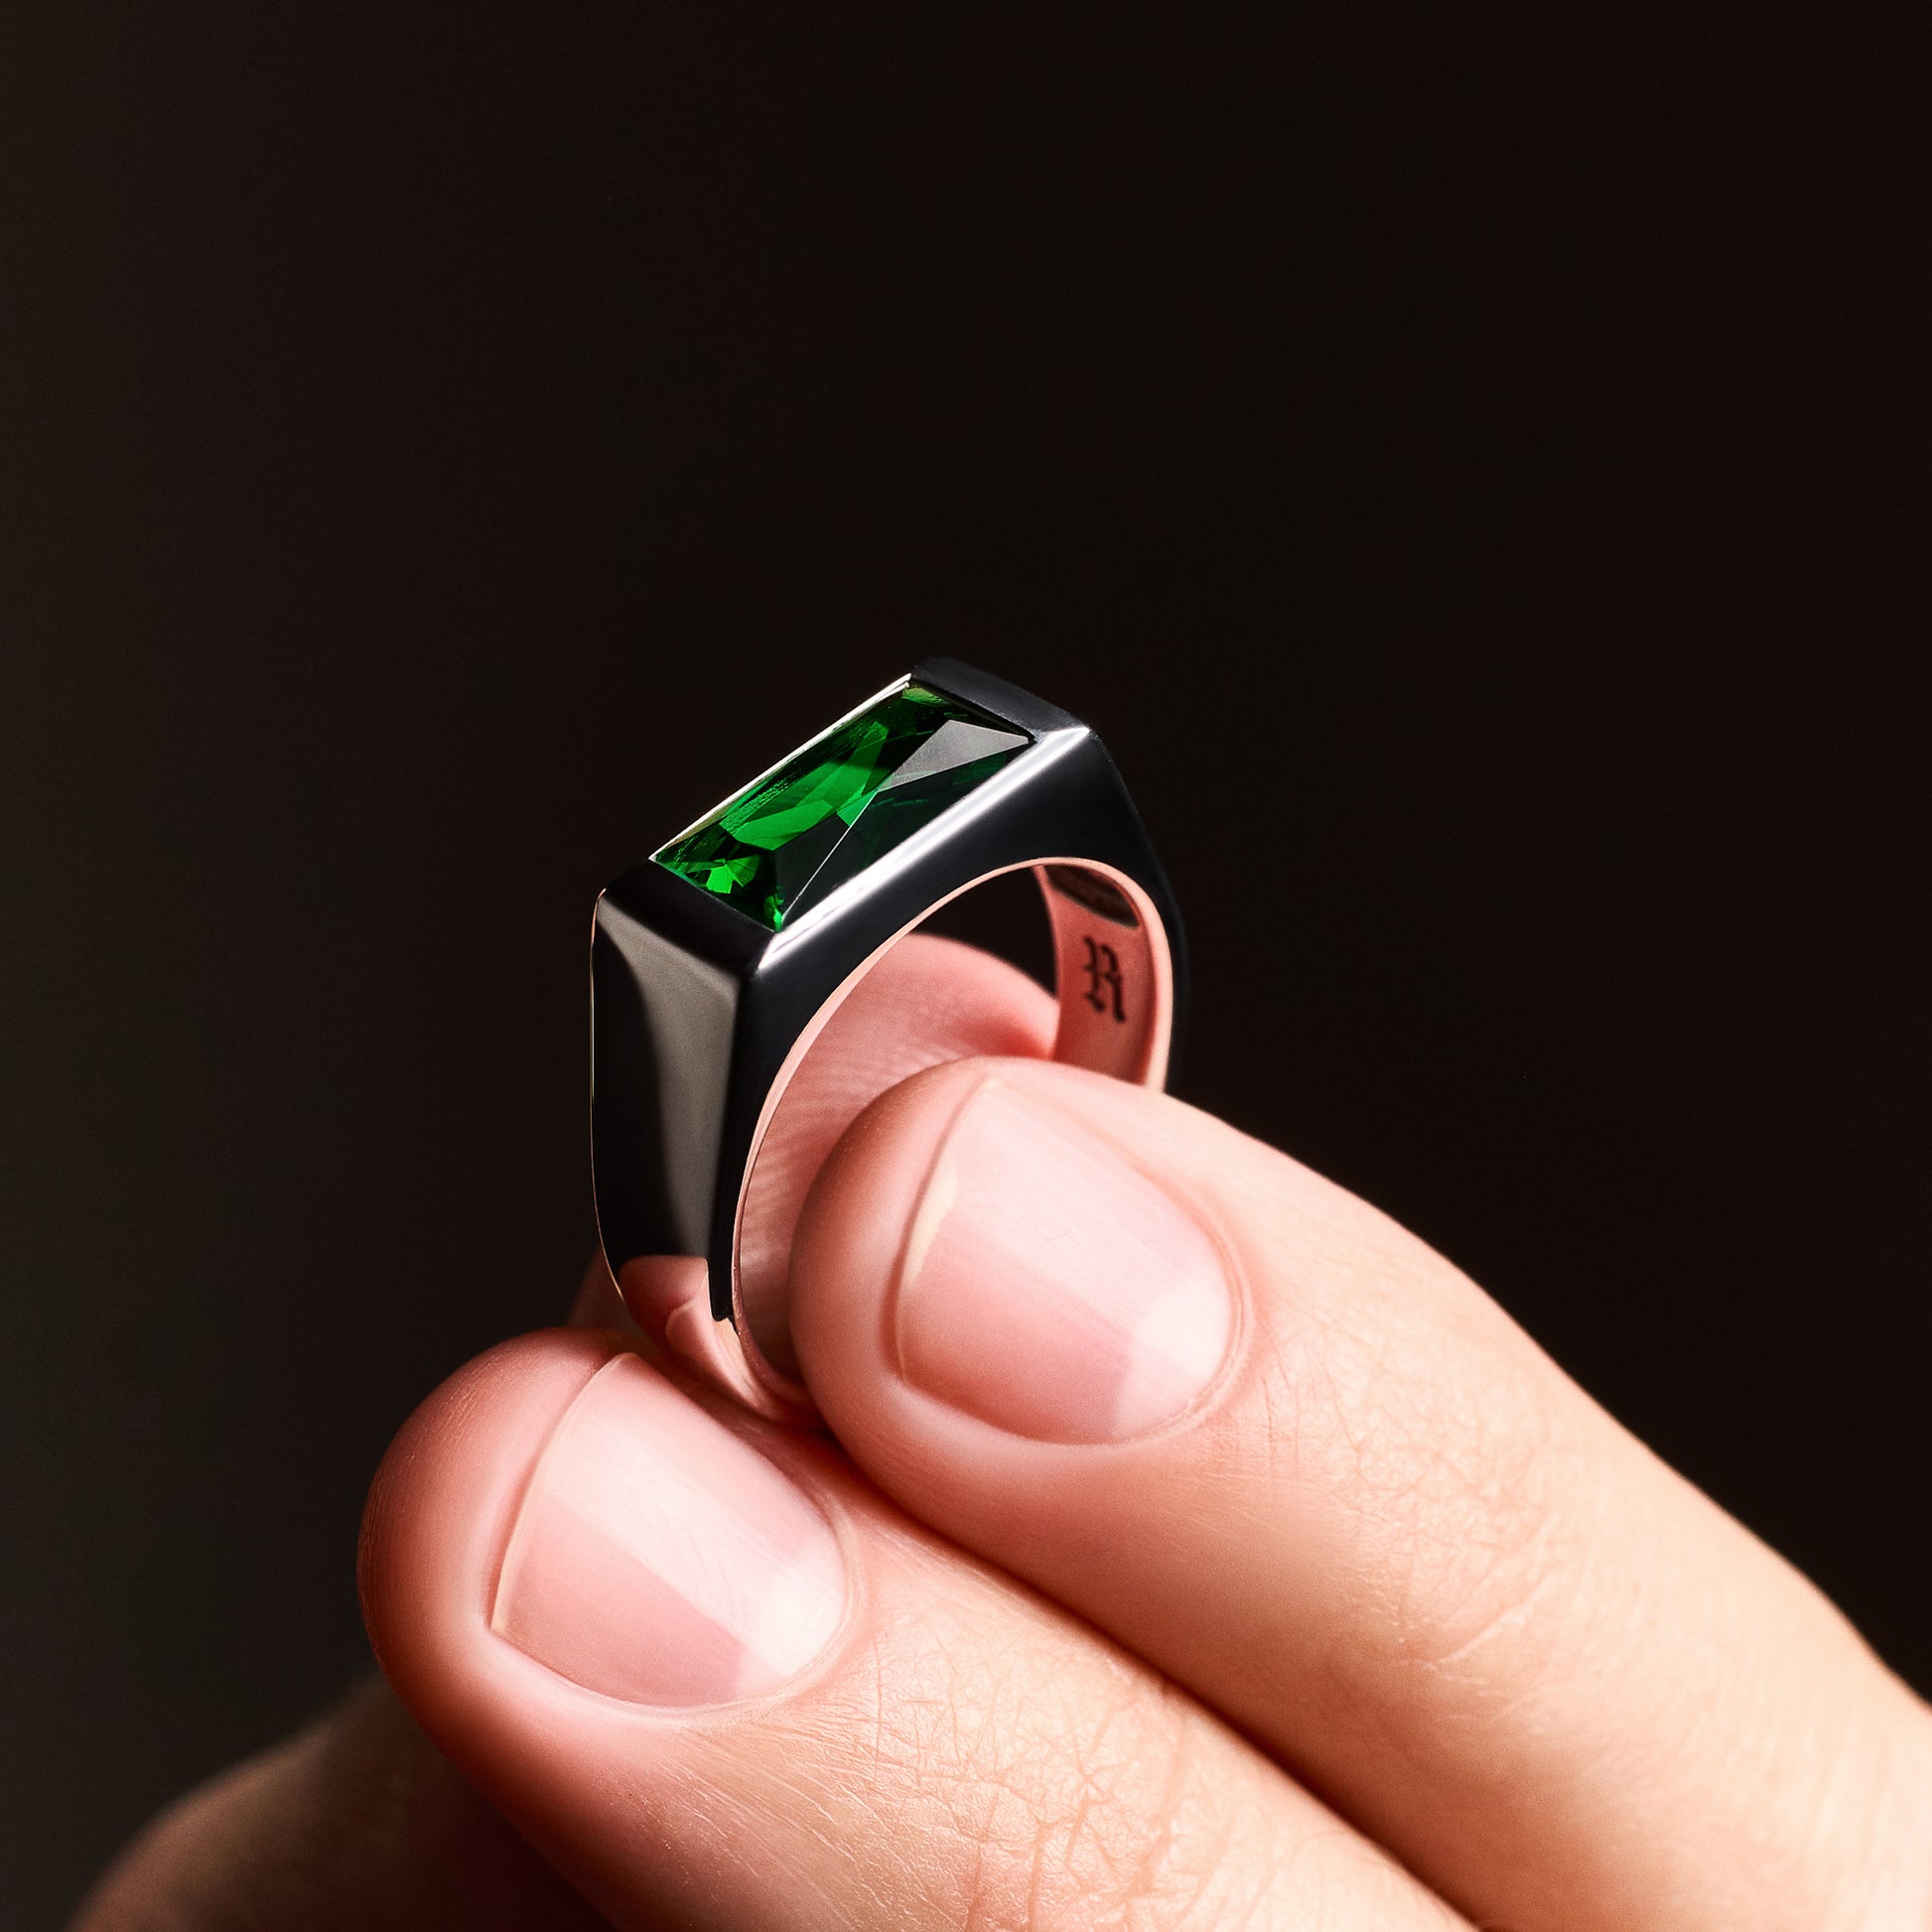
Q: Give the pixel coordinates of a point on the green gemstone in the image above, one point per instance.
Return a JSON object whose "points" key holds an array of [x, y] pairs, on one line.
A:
{"points": [[848, 797]]}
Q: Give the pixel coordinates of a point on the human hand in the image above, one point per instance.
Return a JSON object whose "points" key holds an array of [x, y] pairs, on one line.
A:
{"points": [[1197, 1549]]}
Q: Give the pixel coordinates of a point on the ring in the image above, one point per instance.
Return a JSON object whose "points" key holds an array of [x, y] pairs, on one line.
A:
{"points": [[714, 964]]}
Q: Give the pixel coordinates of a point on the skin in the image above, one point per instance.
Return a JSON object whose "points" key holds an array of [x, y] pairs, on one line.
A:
{"points": [[1389, 1627]]}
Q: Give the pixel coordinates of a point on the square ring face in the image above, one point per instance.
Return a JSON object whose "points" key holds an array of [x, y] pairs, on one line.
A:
{"points": [[843, 801]]}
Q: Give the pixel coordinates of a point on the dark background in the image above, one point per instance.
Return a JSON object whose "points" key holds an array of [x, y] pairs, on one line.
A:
{"points": [[1472, 467]]}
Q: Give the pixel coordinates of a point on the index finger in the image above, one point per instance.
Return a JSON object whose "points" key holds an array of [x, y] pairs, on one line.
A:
{"points": [[1272, 1442]]}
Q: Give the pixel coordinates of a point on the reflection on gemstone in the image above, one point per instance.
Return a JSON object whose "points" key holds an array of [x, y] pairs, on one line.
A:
{"points": [[848, 797]]}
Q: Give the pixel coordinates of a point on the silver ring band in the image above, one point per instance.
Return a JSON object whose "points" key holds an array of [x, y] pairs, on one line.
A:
{"points": [[715, 963]]}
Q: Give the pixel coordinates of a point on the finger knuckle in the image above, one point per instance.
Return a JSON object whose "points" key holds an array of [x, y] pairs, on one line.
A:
{"points": [[1464, 1485]]}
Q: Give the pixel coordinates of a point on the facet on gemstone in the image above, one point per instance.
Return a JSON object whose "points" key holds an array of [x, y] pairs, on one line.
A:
{"points": [[844, 800]]}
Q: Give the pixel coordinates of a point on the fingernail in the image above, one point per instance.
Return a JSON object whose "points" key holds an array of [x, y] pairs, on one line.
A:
{"points": [[1050, 1288], [660, 1557]]}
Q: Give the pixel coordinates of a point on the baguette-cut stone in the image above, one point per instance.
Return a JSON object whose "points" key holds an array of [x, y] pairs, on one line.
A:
{"points": [[829, 810]]}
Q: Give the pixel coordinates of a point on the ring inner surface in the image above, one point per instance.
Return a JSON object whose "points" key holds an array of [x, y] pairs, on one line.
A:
{"points": [[1112, 1012]]}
